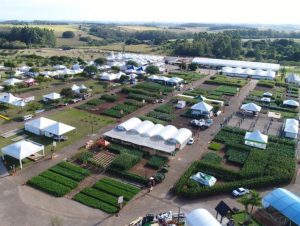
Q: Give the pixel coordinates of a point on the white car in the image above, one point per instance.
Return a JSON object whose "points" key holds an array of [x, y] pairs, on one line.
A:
{"points": [[240, 192], [191, 141]]}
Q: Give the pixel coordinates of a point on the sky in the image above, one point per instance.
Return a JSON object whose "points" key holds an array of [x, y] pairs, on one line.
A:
{"points": [[203, 11]]}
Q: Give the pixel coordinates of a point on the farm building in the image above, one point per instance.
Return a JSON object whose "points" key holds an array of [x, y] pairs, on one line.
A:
{"points": [[219, 63], [293, 79], [291, 127], [283, 205], [22, 149], [249, 73], [256, 139], [147, 134], [201, 217], [202, 108]]}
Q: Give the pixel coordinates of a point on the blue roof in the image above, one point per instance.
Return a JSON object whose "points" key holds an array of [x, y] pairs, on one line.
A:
{"points": [[285, 202]]}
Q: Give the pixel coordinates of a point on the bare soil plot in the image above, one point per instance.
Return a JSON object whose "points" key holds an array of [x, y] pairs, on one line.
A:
{"points": [[142, 170]]}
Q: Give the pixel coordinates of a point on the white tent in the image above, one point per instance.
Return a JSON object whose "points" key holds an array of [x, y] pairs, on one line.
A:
{"points": [[256, 139], [22, 149], [58, 129], [204, 179], [265, 99], [267, 94], [142, 127], [252, 107], [292, 103], [152, 131], [168, 132], [181, 137], [20, 103], [9, 99], [291, 128], [12, 81], [201, 108], [38, 125], [82, 86], [51, 96], [129, 124], [75, 88], [201, 217]]}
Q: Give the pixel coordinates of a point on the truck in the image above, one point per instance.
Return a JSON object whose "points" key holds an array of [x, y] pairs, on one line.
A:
{"points": [[202, 123]]}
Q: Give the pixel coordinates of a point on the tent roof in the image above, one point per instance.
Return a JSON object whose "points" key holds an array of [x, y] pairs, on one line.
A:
{"points": [[59, 129], [181, 136], [266, 99], [12, 81], [154, 130], [202, 106], [201, 217], [40, 123], [168, 132], [291, 103], [22, 149], [256, 137], [129, 124], [52, 96], [75, 87], [251, 107], [9, 99], [268, 94], [285, 202], [291, 126], [142, 127]]}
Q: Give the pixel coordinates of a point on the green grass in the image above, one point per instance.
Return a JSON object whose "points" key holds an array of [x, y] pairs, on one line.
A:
{"points": [[240, 217], [215, 146]]}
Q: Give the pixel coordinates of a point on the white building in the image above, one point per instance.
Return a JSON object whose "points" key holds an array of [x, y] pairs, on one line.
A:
{"points": [[293, 79], [51, 97], [201, 217], [291, 128]]}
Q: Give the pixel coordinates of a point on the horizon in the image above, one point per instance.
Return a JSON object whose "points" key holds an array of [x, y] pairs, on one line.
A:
{"points": [[134, 11]]}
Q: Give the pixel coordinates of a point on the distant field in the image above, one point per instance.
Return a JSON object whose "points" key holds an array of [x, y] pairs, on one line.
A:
{"points": [[130, 48], [56, 28], [139, 28]]}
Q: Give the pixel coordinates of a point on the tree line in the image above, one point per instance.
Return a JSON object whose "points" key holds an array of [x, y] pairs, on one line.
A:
{"points": [[22, 37], [261, 34]]}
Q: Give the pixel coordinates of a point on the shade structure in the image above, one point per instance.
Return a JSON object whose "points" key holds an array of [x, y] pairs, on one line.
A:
{"points": [[201, 217], [58, 129], [265, 99], [267, 94], [251, 107], [75, 88], [22, 149], [168, 132], [51, 96], [19, 103], [284, 201], [142, 127], [38, 125], [204, 179], [291, 103], [202, 106], [291, 128], [256, 139], [152, 131]]}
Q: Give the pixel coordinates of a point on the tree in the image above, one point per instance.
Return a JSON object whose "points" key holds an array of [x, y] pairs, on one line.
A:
{"points": [[152, 70], [67, 92], [182, 66], [10, 64], [68, 34], [252, 199], [193, 66], [34, 70], [245, 201], [90, 70], [33, 106], [132, 63], [255, 200], [100, 61], [115, 69]]}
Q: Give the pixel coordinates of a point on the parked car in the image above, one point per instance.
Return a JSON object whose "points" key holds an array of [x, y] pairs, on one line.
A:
{"points": [[159, 177], [155, 101], [60, 138], [161, 100], [76, 100], [240, 192], [202, 123], [190, 141]]}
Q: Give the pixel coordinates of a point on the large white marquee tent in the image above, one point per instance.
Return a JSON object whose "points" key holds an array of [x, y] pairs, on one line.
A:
{"points": [[22, 149], [256, 139], [291, 128], [201, 217]]}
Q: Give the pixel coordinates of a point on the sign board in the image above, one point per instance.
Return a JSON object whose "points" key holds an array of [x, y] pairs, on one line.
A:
{"points": [[54, 144], [120, 200]]}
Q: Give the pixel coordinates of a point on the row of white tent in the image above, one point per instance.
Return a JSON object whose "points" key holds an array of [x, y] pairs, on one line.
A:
{"points": [[167, 80], [249, 73], [141, 59]]}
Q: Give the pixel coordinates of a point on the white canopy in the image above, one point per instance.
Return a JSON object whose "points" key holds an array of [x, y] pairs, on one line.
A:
{"points": [[36, 126], [291, 103], [22, 149], [182, 135], [12, 81], [201, 217], [75, 87], [58, 129], [267, 94], [202, 106], [266, 99], [291, 126], [251, 107], [9, 99], [51, 96], [256, 139]]}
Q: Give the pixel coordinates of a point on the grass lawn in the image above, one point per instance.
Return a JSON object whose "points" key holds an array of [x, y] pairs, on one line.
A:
{"points": [[129, 48], [240, 217], [79, 119]]}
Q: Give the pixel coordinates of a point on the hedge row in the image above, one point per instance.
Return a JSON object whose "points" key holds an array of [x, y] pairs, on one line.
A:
{"points": [[157, 162], [123, 186], [59, 179], [49, 186], [95, 203], [128, 176], [109, 97], [102, 196], [125, 161], [74, 168], [161, 116]]}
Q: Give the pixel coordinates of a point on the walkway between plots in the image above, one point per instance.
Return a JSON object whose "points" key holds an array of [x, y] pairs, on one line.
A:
{"points": [[3, 170], [87, 182]]}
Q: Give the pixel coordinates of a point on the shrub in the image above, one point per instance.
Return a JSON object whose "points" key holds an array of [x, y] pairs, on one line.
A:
{"points": [[95, 203], [125, 161], [212, 158], [161, 116], [48, 186], [215, 146], [165, 108], [84, 156], [128, 176], [95, 102], [102, 196], [109, 97], [74, 168], [156, 162]]}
